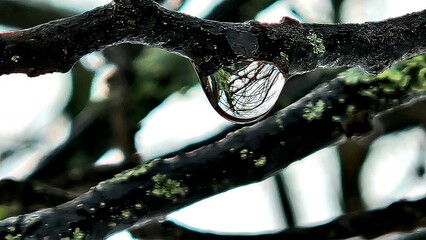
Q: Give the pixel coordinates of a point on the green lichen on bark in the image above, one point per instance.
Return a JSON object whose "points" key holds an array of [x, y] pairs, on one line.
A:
{"points": [[245, 154], [406, 77], [15, 58], [260, 162], [167, 188], [134, 172], [314, 111], [353, 76], [350, 110], [76, 235], [317, 43], [13, 237]]}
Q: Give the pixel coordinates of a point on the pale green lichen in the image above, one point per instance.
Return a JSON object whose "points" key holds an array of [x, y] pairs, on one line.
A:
{"points": [[245, 154], [336, 118], [279, 122], [283, 57], [13, 237], [369, 92], [406, 77], [76, 235], [125, 214], [317, 43], [15, 58], [11, 229], [395, 80], [138, 206], [350, 110], [314, 111], [260, 162], [134, 172], [207, 58], [353, 76], [167, 188]]}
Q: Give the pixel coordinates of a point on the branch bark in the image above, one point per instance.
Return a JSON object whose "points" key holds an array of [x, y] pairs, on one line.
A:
{"points": [[343, 106], [57, 45], [400, 216]]}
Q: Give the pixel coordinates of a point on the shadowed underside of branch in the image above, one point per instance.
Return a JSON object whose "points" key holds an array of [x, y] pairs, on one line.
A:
{"points": [[342, 107], [57, 45]]}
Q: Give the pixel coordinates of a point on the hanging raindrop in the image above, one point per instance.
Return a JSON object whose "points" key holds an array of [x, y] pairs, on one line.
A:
{"points": [[244, 91]]}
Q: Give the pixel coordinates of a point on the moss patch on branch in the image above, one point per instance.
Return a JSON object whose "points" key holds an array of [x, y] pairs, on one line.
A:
{"points": [[313, 111]]}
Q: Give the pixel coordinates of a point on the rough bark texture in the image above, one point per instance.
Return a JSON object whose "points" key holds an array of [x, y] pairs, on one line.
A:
{"points": [[295, 47]]}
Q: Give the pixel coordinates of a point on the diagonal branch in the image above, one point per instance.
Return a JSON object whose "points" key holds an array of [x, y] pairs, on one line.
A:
{"points": [[403, 215], [292, 46], [251, 154]]}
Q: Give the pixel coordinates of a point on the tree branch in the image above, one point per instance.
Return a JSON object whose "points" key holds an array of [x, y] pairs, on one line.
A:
{"points": [[31, 196], [292, 46], [251, 154], [403, 215]]}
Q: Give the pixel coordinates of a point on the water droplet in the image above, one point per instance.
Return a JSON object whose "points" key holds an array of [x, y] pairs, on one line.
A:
{"points": [[244, 91]]}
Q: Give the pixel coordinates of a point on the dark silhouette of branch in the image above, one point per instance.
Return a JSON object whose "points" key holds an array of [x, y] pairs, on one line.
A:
{"points": [[342, 107], [403, 215], [292, 46], [89, 131], [31, 196]]}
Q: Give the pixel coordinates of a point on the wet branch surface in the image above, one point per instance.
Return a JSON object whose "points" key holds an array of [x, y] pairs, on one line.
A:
{"points": [[344, 106], [292, 46]]}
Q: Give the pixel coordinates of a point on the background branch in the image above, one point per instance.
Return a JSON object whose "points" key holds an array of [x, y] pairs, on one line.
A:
{"points": [[403, 215]]}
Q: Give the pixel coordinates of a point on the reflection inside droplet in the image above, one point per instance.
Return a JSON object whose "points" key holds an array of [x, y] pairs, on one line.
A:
{"points": [[244, 91]]}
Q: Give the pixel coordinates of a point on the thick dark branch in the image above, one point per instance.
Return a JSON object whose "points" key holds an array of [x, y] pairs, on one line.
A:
{"points": [[400, 216], [248, 155], [292, 46]]}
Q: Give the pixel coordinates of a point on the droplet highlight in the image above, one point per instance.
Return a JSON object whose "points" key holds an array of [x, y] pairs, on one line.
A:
{"points": [[244, 91]]}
